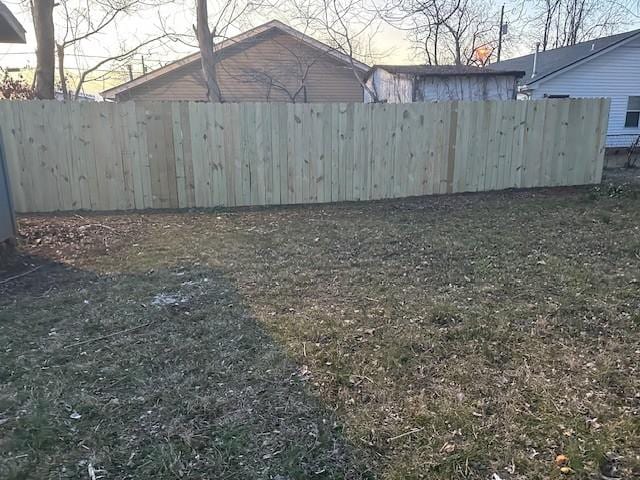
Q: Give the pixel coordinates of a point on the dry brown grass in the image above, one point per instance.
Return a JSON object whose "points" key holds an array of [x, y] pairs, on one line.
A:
{"points": [[446, 337]]}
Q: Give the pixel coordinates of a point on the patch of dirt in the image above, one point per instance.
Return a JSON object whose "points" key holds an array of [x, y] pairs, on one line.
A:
{"points": [[621, 176], [72, 236]]}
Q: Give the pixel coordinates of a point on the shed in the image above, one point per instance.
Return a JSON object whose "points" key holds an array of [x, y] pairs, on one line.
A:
{"points": [[432, 83]]}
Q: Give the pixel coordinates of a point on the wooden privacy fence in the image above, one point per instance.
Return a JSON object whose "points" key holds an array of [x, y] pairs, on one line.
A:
{"points": [[104, 156]]}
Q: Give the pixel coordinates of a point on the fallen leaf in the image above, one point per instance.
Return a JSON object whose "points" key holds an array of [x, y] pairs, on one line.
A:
{"points": [[448, 447]]}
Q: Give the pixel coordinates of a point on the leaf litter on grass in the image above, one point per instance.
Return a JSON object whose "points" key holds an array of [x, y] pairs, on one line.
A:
{"points": [[449, 337]]}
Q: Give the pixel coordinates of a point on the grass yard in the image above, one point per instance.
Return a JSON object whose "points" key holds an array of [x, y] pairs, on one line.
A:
{"points": [[438, 338]]}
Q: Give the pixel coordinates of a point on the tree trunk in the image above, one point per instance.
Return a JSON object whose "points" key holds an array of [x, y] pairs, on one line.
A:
{"points": [[42, 11], [205, 42], [63, 79]]}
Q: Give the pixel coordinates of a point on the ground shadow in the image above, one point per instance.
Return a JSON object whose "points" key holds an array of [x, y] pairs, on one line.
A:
{"points": [[156, 375]]}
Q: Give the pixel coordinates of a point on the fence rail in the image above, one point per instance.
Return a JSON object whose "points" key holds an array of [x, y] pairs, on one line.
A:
{"points": [[105, 156]]}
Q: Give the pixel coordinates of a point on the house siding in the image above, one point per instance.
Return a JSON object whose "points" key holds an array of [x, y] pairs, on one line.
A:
{"points": [[400, 88], [267, 68], [614, 74], [389, 87], [472, 87]]}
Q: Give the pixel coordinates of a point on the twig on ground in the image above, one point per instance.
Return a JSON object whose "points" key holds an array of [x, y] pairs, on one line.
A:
{"points": [[91, 471], [362, 379], [109, 335], [89, 225], [23, 274], [18, 456], [410, 432]]}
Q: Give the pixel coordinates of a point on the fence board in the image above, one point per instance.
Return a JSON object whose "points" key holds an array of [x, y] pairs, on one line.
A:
{"points": [[11, 150], [66, 156], [603, 122]]}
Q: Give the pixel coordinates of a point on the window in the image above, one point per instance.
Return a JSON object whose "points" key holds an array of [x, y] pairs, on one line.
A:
{"points": [[633, 113], [546, 95]]}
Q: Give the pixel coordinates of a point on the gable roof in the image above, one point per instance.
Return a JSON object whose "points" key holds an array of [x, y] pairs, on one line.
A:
{"points": [[445, 70], [232, 41], [11, 31], [552, 61]]}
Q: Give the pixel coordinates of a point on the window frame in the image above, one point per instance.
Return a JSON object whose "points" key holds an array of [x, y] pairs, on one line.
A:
{"points": [[634, 112]]}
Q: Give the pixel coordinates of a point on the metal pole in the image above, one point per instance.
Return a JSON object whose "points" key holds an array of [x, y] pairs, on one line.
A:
{"points": [[500, 32]]}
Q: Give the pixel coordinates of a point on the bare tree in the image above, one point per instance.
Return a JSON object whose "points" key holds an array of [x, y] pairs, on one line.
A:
{"points": [[84, 22], [559, 23], [42, 11], [205, 38], [550, 9], [426, 20], [471, 33], [462, 32], [290, 75], [119, 57], [348, 26], [228, 14]]}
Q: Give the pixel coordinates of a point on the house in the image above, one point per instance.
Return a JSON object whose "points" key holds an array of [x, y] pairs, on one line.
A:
{"points": [[11, 31], [58, 94], [603, 67], [430, 83], [269, 63]]}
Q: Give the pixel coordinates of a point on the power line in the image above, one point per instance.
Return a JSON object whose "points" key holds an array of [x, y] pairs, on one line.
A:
{"points": [[123, 71], [84, 56]]}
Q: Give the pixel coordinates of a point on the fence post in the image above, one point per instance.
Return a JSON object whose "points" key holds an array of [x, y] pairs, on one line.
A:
{"points": [[6, 231], [451, 153]]}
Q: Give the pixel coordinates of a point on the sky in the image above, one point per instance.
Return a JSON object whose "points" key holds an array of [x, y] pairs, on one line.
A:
{"points": [[391, 45]]}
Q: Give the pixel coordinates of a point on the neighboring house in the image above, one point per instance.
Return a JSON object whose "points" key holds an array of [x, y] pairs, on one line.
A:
{"points": [[269, 63], [604, 67], [82, 97], [11, 31], [430, 83]]}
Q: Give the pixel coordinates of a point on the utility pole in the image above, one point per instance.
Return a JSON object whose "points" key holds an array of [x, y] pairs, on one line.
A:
{"points": [[130, 72], [144, 67], [502, 30]]}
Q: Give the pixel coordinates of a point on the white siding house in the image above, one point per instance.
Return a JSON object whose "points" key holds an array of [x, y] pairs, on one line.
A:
{"points": [[432, 83], [606, 67]]}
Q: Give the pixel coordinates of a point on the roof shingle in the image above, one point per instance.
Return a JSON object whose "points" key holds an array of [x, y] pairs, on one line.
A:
{"points": [[444, 70]]}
